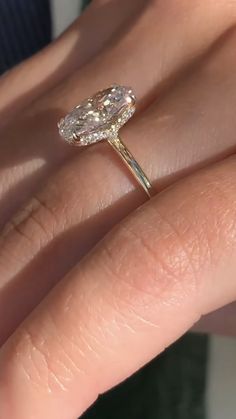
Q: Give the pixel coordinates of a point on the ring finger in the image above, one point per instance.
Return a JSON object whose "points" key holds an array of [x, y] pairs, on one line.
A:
{"points": [[92, 191], [172, 45]]}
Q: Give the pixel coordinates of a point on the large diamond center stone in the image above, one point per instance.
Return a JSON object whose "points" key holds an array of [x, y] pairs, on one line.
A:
{"points": [[99, 117]]}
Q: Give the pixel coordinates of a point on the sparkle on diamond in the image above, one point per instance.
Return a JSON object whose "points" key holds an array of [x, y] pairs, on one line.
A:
{"points": [[98, 117]]}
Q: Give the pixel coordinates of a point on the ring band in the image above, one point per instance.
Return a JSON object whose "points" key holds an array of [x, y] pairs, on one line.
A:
{"points": [[133, 166], [100, 117]]}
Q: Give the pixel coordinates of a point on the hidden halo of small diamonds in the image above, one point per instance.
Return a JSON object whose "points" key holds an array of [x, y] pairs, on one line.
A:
{"points": [[99, 117]]}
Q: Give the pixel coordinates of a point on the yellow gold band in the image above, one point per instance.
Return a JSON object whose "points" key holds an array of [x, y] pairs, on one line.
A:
{"points": [[133, 166]]}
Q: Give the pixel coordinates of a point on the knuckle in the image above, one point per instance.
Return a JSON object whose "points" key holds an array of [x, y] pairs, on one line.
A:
{"points": [[34, 223], [26, 354], [28, 233], [41, 360], [151, 265]]}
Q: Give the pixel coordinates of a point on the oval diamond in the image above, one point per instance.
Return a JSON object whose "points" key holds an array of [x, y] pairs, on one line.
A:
{"points": [[98, 117]]}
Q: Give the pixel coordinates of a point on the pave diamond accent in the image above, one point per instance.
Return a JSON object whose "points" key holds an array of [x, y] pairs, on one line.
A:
{"points": [[98, 117]]}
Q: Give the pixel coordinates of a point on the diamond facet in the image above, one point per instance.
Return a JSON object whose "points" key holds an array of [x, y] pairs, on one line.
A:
{"points": [[98, 117]]}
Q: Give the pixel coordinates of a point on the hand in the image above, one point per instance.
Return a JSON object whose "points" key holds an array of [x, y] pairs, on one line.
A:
{"points": [[151, 278]]}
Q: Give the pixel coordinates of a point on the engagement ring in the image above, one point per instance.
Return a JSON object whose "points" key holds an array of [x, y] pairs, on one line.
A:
{"points": [[100, 117]]}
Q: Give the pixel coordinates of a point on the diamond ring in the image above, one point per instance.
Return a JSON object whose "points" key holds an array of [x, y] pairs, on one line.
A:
{"points": [[100, 117]]}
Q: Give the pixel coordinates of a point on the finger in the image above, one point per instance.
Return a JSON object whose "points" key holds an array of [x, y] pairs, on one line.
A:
{"points": [[93, 191], [146, 283], [38, 152], [71, 50]]}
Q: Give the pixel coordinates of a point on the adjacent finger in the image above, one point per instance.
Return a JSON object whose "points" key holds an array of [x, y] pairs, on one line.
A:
{"points": [[93, 191], [37, 75], [142, 287], [30, 148]]}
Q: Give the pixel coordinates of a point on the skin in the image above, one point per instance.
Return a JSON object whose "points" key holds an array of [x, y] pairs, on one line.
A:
{"points": [[95, 281]]}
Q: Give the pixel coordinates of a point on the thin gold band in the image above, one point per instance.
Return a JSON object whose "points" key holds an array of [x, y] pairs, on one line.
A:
{"points": [[133, 166]]}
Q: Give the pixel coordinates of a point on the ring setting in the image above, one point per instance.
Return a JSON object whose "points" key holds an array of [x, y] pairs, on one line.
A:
{"points": [[100, 117]]}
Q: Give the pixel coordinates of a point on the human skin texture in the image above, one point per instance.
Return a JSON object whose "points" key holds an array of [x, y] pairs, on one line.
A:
{"points": [[95, 281]]}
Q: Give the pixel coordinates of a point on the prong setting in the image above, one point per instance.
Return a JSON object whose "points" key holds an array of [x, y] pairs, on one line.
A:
{"points": [[99, 117]]}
